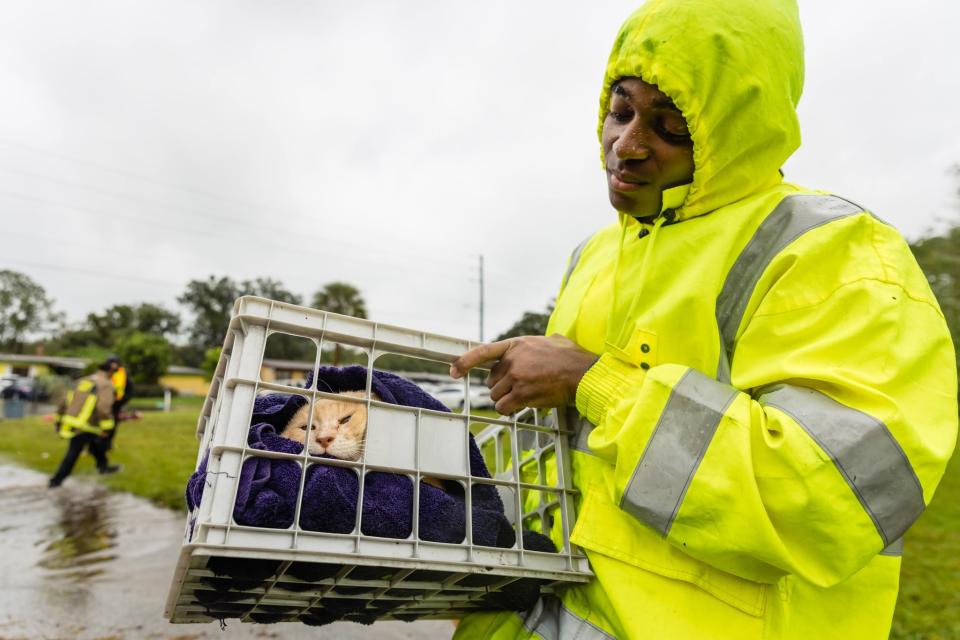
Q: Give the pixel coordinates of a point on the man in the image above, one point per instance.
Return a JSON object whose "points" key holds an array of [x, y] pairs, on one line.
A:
{"points": [[122, 389], [85, 420], [766, 385]]}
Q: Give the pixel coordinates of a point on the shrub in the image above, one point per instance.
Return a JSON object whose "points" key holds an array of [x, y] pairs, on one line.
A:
{"points": [[146, 357]]}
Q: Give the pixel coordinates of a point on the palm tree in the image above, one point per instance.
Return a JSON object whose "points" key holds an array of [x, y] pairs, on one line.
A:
{"points": [[342, 298]]}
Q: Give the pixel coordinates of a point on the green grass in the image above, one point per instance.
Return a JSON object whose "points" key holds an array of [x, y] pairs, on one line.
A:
{"points": [[159, 451], [185, 403], [928, 607]]}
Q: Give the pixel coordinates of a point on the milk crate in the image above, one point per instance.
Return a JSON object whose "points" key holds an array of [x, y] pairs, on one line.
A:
{"points": [[299, 574]]}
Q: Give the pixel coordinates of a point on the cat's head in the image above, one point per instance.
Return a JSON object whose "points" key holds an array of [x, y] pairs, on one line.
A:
{"points": [[338, 427]]}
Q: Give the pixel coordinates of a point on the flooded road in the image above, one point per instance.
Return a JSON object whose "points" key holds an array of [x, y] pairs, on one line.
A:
{"points": [[82, 562]]}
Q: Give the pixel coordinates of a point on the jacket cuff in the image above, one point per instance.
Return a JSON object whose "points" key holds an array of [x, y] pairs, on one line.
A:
{"points": [[603, 384]]}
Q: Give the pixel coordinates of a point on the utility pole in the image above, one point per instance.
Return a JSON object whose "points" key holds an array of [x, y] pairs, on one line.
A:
{"points": [[481, 298]]}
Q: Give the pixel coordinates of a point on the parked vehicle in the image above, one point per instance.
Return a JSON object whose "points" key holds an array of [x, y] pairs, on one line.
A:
{"points": [[291, 382], [452, 395], [480, 397], [22, 388], [8, 380]]}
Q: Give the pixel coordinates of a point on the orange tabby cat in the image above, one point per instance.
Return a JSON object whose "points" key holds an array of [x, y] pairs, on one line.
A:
{"points": [[338, 427]]}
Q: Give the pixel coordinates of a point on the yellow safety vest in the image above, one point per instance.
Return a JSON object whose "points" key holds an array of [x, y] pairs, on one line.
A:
{"points": [[119, 380], [775, 399], [81, 403]]}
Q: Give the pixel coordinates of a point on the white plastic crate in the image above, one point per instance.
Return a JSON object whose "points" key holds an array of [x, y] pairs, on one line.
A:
{"points": [[372, 578]]}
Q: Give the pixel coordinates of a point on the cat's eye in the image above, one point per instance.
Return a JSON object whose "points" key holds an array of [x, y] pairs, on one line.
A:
{"points": [[303, 427], [346, 419]]}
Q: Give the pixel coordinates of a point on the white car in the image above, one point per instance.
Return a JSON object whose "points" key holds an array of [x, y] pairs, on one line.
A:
{"points": [[9, 380], [452, 396], [480, 397], [291, 382]]}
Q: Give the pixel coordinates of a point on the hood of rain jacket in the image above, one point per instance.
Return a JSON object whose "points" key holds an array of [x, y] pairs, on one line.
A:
{"points": [[736, 84]]}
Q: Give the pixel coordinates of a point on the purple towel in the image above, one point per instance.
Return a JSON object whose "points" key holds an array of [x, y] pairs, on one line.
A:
{"points": [[268, 488]]}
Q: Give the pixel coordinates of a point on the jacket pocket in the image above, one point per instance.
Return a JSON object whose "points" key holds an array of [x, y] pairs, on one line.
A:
{"points": [[605, 528]]}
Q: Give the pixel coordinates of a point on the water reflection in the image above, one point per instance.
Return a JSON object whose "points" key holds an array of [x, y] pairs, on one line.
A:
{"points": [[80, 562], [80, 539]]}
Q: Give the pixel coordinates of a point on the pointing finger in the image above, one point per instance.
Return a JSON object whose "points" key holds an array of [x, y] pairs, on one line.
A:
{"points": [[478, 355], [508, 405]]}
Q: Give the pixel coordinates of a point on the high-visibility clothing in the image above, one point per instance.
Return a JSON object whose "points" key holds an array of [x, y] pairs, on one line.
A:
{"points": [[119, 380], [775, 399], [87, 408]]}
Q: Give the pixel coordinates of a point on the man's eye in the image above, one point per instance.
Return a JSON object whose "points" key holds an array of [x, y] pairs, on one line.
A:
{"points": [[675, 128], [622, 117]]}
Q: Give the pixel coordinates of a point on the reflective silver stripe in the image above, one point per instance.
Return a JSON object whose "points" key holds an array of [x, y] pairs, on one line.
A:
{"points": [[581, 430], [793, 217], [574, 259], [687, 424], [895, 548], [582, 435], [865, 452], [552, 621]]}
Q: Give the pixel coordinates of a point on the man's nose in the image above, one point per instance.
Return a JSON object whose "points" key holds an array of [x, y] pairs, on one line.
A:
{"points": [[632, 143]]}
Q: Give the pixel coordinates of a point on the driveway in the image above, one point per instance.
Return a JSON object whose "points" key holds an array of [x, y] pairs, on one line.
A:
{"points": [[82, 562]]}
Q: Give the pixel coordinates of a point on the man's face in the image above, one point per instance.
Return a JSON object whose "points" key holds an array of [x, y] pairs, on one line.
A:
{"points": [[647, 147]]}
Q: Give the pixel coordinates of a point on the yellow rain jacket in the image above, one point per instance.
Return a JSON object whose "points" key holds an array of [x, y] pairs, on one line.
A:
{"points": [[775, 398], [87, 409], [119, 380]]}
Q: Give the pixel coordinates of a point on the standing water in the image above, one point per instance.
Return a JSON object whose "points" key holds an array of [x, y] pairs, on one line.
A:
{"points": [[82, 562]]}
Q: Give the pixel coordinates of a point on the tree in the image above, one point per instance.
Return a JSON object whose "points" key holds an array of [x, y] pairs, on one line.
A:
{"points": [[269, 288], [121, 319], [211, 358], [153, 318], [532, 323], [939, 257], [99, 333], [342, 298], [279, 345], [146, 356], [24, 309], [211, 303]]}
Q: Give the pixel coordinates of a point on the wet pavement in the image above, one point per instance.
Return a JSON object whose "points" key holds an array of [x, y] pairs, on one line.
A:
{"points": [[82, 562]]}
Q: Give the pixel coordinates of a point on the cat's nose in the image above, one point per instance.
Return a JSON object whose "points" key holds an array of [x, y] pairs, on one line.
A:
{"points": [[326, 441]]}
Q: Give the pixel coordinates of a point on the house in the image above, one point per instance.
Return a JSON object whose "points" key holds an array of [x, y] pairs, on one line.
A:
{"points": [[186, 381], [35, 366], [183, 380]]}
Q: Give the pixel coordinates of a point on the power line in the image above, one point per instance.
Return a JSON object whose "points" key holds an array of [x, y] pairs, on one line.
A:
{"points": [[407, 266], [264, 211], [126, 173], [257, 241], [115, 276], [90, 272]]}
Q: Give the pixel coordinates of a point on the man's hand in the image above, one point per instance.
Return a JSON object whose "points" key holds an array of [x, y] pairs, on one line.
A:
{"points": [[529, 371]]}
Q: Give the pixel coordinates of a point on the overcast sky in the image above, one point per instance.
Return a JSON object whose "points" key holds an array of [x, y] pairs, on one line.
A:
{"points": [[144, 144]]}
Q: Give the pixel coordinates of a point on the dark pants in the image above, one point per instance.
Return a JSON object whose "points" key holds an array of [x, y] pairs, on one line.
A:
{"points": [[93, 443], [108, 441]]}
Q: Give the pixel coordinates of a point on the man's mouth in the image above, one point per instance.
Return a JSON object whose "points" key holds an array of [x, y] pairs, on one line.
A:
{"points": [[621, 182]]}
